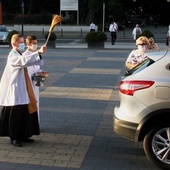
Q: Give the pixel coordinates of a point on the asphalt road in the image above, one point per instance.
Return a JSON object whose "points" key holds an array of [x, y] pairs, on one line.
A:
{"points": [[76, 114]]}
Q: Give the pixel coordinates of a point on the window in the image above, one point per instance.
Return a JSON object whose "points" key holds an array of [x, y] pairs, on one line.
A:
{"points": [[140, 67]]}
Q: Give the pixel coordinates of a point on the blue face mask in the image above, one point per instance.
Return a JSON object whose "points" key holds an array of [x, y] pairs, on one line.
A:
{"points": [[21, 47]]}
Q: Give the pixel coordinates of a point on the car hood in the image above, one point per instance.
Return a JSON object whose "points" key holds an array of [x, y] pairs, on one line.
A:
{"points": [[3, 33], [156, 55]]}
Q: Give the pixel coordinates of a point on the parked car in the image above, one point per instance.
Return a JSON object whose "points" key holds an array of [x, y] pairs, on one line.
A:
{"points": [[3, 33], [143, 112]]}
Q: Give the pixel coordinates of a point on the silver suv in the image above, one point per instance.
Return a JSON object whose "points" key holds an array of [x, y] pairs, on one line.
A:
{"points": [[143, 113]]}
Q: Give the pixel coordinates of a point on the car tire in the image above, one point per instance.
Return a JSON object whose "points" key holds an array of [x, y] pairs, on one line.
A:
{"points": [[157, 146]]}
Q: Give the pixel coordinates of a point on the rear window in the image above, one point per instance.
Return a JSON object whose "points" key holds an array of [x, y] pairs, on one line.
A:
{"points": [[140, 67]]}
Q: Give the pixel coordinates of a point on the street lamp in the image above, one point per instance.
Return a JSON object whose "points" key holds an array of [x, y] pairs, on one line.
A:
{"points": [[22, 29], [135, 0], [103, 16], [168, 0]]}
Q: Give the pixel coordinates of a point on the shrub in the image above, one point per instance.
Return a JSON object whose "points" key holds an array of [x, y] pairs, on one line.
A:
{"points": [[41, 18], [52, 36], [10, 34], [147, 33], [95, 37]]}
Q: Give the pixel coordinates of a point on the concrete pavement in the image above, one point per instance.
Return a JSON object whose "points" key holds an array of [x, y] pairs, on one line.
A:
{"points": [[107, 45], [79, 44], [124, 38], [159, 33], [76, 114]]}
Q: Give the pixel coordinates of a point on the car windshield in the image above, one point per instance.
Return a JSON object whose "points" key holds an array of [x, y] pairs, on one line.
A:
{"points": [[3, 29], [140, 67]]}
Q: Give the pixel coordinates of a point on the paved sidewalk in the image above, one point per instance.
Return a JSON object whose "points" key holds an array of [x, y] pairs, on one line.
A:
{"points": [[76, 114], [78, 44], [124, 38], [160, 33], [128, 46]]}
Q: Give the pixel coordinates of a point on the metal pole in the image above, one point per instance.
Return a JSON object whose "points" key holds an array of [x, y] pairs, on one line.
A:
{"points": [[0, 13], [60, 10], [123, 31], [78, 13], [22, 28], [61, 32], [43, 32], [103, 16], [81, 32]]}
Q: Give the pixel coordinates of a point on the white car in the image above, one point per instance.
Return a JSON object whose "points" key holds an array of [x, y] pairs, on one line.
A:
{"points": [[143, 113], [3, 33]]}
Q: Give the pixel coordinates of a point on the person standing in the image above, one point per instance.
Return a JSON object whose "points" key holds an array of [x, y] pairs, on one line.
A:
{"points": [[168, 37], [138, 55], [92, 27], [113, 28], [136, 32], [18, 117], [32, 44], [152, 44]]}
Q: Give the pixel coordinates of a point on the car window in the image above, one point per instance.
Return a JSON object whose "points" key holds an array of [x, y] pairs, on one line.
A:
{"points": [[140, 67], [3, 29]]}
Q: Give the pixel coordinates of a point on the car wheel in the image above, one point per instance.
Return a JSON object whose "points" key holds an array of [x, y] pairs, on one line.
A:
{"points": [[157, 146]]}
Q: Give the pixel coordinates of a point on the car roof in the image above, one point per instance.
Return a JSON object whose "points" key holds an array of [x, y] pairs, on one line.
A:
{"points": [[156, 55]]}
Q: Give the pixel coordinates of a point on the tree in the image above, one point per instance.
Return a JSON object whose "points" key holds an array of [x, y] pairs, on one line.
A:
{"points": [[94, 7], [116, 9], [30, 7], [88, 9]]}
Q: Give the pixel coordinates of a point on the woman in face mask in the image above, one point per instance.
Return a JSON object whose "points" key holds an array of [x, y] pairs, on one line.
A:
{"points": [[152, 44], [32, 45], [138, 55]]}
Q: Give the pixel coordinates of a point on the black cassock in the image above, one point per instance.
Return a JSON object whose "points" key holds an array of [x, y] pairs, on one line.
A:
{"points": [[17, 123]]}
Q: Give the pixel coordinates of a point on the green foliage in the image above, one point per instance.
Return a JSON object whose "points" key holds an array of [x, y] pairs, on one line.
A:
{"points": [[147, 33], [52, 36], [94, 5], [116, 9], [42, 18], [10, 34], [95, 37], [89, 9]]}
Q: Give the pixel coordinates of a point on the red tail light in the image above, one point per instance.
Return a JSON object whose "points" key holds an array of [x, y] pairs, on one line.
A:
{"points": [[129, 87]]}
